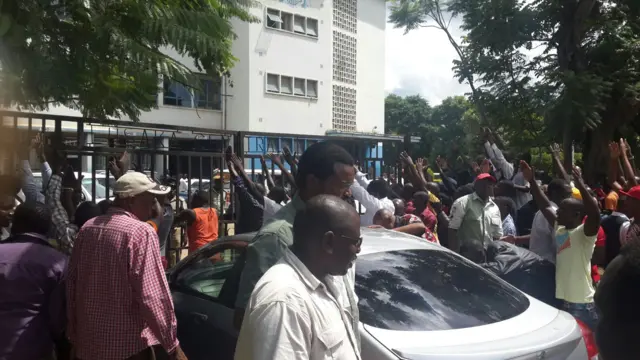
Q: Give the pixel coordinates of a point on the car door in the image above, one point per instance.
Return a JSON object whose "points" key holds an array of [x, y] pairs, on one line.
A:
{"points": [[204, 291]]}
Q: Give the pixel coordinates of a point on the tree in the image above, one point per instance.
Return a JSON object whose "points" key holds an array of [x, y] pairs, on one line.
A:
{"points": [[105, 57], [412, 14], [584, 83], [447, 129]]}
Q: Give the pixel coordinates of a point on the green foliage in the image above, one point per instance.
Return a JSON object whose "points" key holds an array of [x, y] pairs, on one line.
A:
{"points": [[447, 129], [546, 70], [105, 57]]}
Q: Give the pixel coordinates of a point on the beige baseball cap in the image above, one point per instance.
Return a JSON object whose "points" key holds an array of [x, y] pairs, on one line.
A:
{"points": [[136, 183]]}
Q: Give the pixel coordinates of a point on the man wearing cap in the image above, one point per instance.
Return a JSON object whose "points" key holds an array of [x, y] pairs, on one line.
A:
{"points": [[118, 301], [475, 220]]}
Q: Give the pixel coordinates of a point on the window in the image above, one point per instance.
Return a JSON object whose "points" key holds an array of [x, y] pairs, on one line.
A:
{"points": [[312, 88], [299, 87], [289, 85], [299, 24], [101, 190], [208, 96], [286, 85], [207, 273], [287, 21], [273, 83], [273, 18], [176, 94], [299, 146], [293, 23], [430, 290], [312, 27]]}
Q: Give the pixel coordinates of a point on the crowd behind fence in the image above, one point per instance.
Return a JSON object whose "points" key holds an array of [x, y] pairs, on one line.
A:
{"points": [[194, 157]]}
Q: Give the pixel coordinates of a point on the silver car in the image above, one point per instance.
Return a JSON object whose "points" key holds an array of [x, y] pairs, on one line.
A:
{"points": [[417, 301]]}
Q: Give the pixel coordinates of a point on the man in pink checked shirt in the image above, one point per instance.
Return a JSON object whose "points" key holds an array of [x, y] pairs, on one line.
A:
{"points": [[118, 301]]}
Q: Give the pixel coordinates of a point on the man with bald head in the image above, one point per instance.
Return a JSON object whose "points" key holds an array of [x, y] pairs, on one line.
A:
{"points": [[297, 300]]}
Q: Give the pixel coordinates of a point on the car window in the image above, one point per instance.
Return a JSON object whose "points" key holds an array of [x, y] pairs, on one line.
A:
{"points": [[207, 273], [425, 290], [101, 191]]}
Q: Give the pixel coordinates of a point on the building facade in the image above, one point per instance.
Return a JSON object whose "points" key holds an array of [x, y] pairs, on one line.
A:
{"points": [[309, 68]]}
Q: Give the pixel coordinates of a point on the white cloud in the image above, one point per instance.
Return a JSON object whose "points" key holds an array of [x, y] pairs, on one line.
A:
{"points": [[421, 62]]}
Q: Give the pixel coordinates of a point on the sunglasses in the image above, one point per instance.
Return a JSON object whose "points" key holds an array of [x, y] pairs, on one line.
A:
{"points": [[354, 241]]}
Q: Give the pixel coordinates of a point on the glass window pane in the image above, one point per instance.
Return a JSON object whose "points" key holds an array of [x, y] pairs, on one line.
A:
{"points": [[207, 273], [176, 94], [428, 290], [209, 97]]}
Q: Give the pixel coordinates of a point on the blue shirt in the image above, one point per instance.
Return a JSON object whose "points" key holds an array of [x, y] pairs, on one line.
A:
{"points": [[32, 300]]}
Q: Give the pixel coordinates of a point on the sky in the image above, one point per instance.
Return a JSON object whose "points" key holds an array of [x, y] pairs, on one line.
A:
{"points": [[420, 62]]}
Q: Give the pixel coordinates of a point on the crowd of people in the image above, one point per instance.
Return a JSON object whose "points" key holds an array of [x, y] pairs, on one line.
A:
{"points": [[80, 280]]}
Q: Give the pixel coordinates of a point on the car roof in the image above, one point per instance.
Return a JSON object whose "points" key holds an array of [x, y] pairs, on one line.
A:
{"points": [[373, 241]]}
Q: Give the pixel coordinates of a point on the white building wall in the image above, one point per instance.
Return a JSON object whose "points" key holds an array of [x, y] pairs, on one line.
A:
{"points": [[261, 50], [285, 53], [371, 47]]}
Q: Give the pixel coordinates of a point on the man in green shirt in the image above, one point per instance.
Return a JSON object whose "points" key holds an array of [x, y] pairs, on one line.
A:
{"points": [[324, 168]]}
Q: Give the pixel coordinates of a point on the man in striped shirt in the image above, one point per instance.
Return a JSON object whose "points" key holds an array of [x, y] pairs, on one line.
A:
{"points": [[118, 300]]}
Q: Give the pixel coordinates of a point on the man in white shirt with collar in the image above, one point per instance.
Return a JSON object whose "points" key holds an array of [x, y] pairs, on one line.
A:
{"points": [[373, 195], [295, 310]]}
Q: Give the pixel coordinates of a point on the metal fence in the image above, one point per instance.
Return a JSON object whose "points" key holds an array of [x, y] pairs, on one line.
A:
{"points": [[194, 157]]}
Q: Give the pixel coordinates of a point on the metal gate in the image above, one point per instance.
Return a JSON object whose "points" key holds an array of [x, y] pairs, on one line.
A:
{"points": [[194, 157]]}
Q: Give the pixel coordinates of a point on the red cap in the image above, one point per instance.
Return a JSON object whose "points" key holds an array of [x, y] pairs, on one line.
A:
{"points": [[634, 192], [486, 176]]}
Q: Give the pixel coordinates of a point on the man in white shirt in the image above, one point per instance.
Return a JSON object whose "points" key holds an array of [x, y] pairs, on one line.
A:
{"points": [[372, 195], [295, 311], [543, 240]]}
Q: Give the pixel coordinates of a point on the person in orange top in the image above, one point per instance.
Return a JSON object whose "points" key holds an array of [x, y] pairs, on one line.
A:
{"points": [[202, 221]]}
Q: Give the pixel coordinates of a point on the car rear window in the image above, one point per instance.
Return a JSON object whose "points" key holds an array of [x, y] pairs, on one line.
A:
{"points": [[426, 290]]}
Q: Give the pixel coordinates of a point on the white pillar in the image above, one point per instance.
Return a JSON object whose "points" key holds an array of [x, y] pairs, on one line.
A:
{"points": [[87, 161], [162, 145]]}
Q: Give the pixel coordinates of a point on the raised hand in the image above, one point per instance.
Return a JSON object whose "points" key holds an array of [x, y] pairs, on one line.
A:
{"points": [[555, 149], [577, 176], [288, 157], [420, 164], [527, 171], [38, 145], [405, 158], [614, 150], [623, 146], [275, 158]]}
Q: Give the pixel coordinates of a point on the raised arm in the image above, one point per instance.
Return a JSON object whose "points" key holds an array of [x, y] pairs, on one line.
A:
{"points": [[291, 160], [538, 195], [591, 209], [285, 173], [239, 169], [612, 175], [626, 164], [557, 163], [267, 173]]}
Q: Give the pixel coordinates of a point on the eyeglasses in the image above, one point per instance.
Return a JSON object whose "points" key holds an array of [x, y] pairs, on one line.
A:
{"points": [[354, 241]]}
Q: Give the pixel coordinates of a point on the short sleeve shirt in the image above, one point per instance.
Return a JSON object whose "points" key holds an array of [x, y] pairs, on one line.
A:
{"points": [[477, 221], [573, 265]]}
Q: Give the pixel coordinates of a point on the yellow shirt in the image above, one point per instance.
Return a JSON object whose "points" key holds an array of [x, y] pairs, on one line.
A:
{"points": [[573, 265]]}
